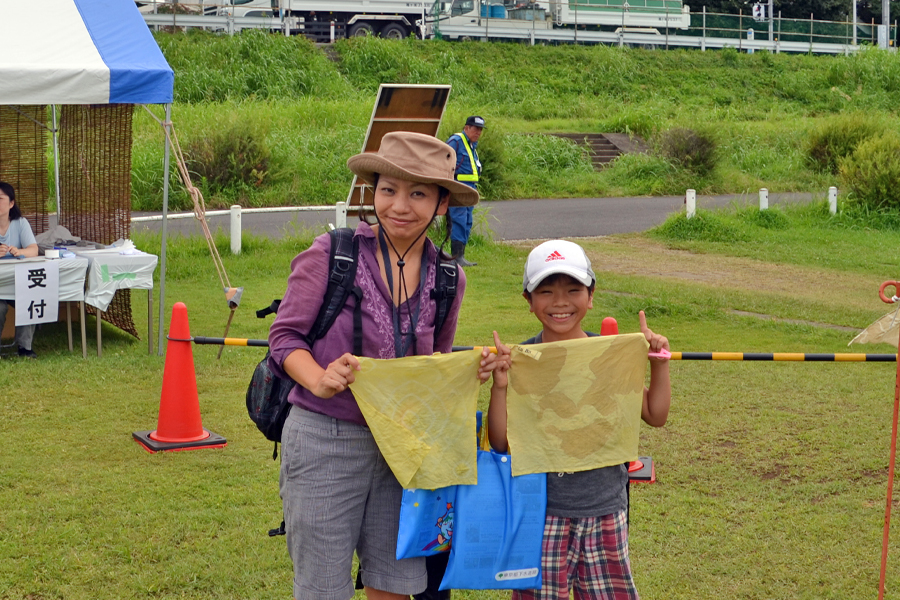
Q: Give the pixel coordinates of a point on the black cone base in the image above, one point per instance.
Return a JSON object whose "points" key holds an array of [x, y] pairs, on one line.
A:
{"points": [[150, 445]]}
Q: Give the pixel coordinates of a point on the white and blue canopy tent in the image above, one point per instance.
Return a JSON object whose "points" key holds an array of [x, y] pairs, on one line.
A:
{"points": [[89, 53], [83, 52]]}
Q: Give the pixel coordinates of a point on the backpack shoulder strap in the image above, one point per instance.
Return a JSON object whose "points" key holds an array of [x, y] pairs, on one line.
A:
{"points": [[269, 310], [341, 277], [446, 280]]}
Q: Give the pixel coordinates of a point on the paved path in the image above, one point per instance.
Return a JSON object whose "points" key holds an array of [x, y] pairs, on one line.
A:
{"points": [[512, 219]]}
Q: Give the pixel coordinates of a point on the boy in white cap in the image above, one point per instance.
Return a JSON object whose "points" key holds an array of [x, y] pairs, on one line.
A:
{"points": [[585, 545]]}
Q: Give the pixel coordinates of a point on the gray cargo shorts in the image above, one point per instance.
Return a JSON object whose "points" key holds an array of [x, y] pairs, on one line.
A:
{"points": [[339, 495]]}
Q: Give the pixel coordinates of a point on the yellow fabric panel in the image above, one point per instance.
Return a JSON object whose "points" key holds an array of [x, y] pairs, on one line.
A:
{"points": [[576, 405], [421, 410], [884, 330]]}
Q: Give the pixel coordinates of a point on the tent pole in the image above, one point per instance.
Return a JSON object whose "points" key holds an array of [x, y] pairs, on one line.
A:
{"points": [[165, 211], [56, 163]]}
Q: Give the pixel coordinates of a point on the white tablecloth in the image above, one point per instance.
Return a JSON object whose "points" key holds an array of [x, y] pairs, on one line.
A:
{"points": [[109, 271], [71, 277]]}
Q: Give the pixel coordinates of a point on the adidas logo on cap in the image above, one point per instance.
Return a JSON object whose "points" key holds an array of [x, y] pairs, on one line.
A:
{"points": [[555, 255]]}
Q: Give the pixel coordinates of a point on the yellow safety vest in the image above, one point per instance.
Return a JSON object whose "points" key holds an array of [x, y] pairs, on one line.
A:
{"points": [[473, 176]]}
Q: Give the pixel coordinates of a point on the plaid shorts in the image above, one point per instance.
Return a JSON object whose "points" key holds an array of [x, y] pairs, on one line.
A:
{"points": [[588, 556]]}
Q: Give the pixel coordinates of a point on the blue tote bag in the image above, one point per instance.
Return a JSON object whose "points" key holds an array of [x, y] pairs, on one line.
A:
{"points": [[426, 522], [499, 527], [426, 517]]}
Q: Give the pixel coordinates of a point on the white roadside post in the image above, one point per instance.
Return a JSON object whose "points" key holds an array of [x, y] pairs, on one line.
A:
{"points": [[763, 199], [832, 200], [340, 214], [235, 229], [690, 203]]}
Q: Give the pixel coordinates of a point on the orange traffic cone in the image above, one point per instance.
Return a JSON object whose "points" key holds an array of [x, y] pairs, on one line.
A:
{"points": [[179, 426]]}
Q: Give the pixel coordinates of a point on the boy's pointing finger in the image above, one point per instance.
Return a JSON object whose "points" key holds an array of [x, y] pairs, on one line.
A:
{"points": [[498, 344], [642, 319]]}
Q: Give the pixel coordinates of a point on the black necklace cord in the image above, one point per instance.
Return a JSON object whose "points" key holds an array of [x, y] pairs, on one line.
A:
{"points": [[401, 348]]}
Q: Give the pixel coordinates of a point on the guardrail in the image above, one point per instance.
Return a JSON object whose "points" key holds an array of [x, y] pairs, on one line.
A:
{"points": [[225, 23], [236, 212], [707, 30], [661, 41]]}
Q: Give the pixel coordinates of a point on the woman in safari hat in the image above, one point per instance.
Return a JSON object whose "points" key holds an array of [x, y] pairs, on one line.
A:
{"points": [[338, 493]]}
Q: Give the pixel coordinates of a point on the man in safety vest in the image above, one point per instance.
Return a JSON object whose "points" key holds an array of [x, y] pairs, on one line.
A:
{"points": [[468, 168]]}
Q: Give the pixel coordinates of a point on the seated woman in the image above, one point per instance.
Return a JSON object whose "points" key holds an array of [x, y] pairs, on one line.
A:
{"points": [[16, 239]]}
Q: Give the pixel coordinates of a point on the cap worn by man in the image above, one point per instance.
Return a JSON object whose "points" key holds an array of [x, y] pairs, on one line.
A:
{"points": [[474, 121], [557, 256]]}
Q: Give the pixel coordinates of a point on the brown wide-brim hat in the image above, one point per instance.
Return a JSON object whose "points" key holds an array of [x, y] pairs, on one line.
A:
{"points": [[414, 157]]}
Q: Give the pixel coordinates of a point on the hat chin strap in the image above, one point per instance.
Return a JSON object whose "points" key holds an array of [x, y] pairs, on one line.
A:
{"points": [[401, 276]]}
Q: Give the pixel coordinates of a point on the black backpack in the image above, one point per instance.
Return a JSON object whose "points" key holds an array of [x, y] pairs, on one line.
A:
{"points": [[267, 394]]}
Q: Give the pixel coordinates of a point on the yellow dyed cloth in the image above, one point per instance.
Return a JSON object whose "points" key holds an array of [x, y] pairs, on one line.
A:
{"points": [[576, 405], [421, 410], [885, 330]]}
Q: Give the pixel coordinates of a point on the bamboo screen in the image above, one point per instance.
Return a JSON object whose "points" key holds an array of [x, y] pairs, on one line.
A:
{"points": [[95, 183], [95, 171], [23, 160]]}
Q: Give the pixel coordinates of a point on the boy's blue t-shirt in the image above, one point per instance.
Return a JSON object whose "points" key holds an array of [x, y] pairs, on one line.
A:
{"points": [[584, 494]]}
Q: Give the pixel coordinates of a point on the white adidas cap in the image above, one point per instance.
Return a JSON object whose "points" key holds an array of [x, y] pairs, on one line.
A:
{"points": [[557, 256]]}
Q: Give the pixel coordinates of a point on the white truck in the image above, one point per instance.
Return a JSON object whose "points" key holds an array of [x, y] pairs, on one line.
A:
{"points": [[394, 19], [472, 19]]}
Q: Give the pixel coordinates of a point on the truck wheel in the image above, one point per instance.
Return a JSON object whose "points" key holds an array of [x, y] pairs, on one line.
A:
{"points": [[394, 31], [361, 29]]}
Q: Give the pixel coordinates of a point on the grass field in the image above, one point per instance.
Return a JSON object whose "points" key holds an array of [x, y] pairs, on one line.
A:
{"points": [[771, 476]]}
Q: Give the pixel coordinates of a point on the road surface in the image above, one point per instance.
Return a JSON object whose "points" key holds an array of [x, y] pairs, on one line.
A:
{"points": [[508, 220]]}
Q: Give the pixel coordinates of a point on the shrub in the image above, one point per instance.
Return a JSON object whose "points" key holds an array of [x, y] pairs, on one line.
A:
{"points": [[492, 183], [771, 218], [639, 174], [837, 138], [694, 150], [871, 173], [705, 226], [730, 56], [231, 158]]}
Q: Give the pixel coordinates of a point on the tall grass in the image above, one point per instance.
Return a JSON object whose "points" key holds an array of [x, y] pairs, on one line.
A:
{"points": [[310, 141], [252, 65]]}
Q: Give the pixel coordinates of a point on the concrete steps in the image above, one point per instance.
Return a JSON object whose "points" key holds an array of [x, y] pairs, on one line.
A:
{"points": [[603, 148]]}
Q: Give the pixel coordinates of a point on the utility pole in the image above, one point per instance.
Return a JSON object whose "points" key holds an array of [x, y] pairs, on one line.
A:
{"points": [[885, 23], [771, 20], [853, 2]]}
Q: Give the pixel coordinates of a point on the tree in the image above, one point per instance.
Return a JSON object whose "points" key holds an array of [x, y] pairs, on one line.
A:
{"points": [[822, 10], [866, 10]]}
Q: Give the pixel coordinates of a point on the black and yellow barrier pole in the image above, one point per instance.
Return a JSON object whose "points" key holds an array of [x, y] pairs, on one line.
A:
{"points": [[230, 341], [733, 356], [784, 356]]}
